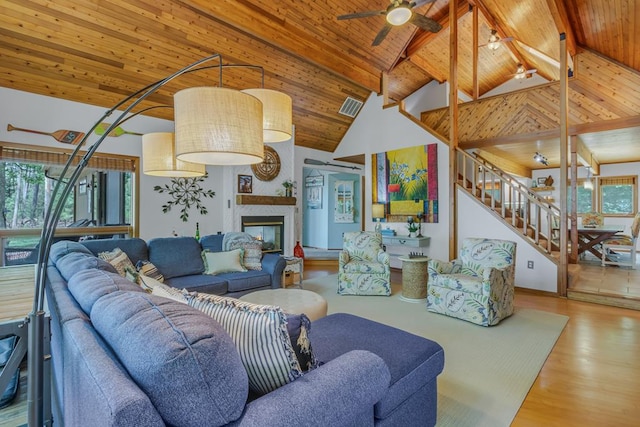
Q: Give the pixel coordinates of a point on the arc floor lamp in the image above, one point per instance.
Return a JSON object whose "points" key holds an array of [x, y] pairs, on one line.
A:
{"points": [[214, 125]]}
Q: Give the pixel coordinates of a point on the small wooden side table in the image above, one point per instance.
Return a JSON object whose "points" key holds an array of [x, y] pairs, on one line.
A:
{"points": [[414, 278], [294, 270]]}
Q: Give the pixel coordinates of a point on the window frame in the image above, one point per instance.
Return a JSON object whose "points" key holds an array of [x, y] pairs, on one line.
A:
{"points": [[631, 180]]}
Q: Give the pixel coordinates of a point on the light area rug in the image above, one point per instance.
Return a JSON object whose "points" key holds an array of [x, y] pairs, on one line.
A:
{"points": [[488, 371]]}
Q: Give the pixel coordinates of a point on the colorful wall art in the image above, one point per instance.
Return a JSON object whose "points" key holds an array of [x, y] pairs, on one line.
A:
{"points": [[406, 181]]}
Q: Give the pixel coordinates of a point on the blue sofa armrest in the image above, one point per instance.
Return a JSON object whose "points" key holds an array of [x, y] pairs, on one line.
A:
{"points": [[338, 393], [274, 264]]}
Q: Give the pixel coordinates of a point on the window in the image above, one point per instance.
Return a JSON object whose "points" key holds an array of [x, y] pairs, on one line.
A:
{"points": [[28, 175], [585, 200], [617, 195]]}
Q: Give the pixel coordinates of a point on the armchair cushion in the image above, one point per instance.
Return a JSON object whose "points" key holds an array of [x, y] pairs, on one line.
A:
{"points": [[363, 266]]}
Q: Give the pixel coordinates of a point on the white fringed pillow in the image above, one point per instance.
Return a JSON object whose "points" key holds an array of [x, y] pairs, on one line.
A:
{"points": [[223, 262]]}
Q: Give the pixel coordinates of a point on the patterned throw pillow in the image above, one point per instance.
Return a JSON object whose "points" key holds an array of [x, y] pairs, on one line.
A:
{"points": [[252, 254], [166, 291], [120, 262], [223, 262], [148, 269], [261, 337], [298, 326]]}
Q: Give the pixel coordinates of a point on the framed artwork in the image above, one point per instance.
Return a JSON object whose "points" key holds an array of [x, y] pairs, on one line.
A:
{"points": [[314, 181], [314, 197], [541, 181], [406, 182], [245, 184]]}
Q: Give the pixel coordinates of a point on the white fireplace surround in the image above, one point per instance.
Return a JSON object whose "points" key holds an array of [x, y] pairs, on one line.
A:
{"points": [[233, 213]]}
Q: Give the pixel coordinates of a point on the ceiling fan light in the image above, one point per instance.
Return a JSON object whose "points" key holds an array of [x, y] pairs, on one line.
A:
{"points": [[399, 15], [494, 41]]}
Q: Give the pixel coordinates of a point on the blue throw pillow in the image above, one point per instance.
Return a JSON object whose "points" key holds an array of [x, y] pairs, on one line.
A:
{"points": [[298, 326]]}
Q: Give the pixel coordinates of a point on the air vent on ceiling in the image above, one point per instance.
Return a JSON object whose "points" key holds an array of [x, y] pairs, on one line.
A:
{"points": [[350, 107]]}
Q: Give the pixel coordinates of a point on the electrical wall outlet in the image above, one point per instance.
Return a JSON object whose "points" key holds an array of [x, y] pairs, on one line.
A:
{"points": [[529, 264]]}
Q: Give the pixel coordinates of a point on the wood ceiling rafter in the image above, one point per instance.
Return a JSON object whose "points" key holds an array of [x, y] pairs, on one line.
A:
{"points": [[561, 19]]}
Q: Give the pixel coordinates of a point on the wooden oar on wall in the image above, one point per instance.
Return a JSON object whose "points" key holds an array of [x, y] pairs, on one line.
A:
{"points": [[118, 131], [63, 135]]}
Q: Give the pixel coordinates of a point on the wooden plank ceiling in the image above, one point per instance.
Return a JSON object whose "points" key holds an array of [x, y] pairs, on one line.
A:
{"points": [[98, 51]]}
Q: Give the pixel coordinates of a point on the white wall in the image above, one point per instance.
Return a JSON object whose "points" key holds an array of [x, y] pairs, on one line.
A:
{"points": [[475, 221], [377, 130], [49, 114]]}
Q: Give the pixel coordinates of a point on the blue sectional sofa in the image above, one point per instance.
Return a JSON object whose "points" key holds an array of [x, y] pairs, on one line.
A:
{"points": [[180, 262], [122, 357]]}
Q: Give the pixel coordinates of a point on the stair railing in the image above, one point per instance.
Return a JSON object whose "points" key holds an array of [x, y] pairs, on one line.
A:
{"points": [[526, 212]]}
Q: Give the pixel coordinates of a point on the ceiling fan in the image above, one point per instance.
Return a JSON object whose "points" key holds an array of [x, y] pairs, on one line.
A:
{"points": [[521, 72], [494, 40], [398, 13]]}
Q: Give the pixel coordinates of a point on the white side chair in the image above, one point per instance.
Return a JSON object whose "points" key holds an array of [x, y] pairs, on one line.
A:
{"points": [[621, 249]]}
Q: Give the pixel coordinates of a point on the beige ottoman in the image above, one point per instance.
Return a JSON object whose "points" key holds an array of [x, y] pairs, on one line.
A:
{"points": [[294, 301]]}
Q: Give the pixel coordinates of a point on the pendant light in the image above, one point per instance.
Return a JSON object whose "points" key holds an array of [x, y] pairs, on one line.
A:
{"points": [[159, 158], [218, 126]]}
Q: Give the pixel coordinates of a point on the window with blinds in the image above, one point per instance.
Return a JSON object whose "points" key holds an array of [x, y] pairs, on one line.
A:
{"points": [[618, 195]]}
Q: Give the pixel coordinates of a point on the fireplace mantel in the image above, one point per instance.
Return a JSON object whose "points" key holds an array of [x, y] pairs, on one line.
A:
{"points": [[247, 199]]}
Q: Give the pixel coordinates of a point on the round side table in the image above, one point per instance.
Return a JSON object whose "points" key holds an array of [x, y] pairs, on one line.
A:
{"points": [[414, 278]]}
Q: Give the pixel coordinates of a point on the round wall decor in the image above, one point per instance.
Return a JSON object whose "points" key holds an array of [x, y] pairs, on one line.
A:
{"points": [[270, 166]]}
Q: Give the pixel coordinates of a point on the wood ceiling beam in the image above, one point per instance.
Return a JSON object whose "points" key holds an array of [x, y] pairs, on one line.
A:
{"points": [[505, 164], [561, 19], [576, 129], [586, 157]]}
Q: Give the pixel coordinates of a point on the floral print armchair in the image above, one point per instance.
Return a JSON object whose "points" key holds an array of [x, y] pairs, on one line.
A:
{"points": [[363, 266], [478, 286]]}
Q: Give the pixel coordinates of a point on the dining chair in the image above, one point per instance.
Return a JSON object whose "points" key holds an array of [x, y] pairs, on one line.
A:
{"points": [[615, 248], [592, 219]]}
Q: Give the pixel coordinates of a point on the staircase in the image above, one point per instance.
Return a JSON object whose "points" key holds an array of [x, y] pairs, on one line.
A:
{"points": [[526, 213]]}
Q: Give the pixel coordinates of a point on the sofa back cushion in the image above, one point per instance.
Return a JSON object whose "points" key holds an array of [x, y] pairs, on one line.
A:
{"points": [[90, 285], [212, 242], [74, 262], [65, 247], [181, 358], [135, 248], [176, 256]]}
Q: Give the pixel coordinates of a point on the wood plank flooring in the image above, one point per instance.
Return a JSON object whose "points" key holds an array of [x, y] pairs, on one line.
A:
{"points": [[591, 378]]}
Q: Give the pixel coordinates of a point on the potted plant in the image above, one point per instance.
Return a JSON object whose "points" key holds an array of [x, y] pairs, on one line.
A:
{"points": [[412, 227], [288, 187]]}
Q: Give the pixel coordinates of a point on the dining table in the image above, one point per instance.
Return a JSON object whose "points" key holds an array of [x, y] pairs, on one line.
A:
{"points": [[590, 238]]}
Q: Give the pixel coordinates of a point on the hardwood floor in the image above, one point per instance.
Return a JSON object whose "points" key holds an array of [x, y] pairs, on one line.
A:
{"points": [[592, 376]]}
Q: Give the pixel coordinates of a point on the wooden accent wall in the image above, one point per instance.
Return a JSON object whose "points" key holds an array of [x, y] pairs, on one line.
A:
{"points": [[600, 90]]}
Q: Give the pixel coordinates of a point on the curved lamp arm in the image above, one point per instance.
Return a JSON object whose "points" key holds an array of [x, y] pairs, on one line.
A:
{"points": [[60, 193]]}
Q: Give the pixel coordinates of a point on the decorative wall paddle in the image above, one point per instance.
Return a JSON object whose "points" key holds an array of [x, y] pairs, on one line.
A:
{"points": [[63, 135], [118, 131]]}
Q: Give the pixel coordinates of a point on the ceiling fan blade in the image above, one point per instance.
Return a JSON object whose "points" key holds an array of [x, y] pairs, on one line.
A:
{"points": [[362, 14], [382, 34], [425, 23], [419, 3], [504, 40]]}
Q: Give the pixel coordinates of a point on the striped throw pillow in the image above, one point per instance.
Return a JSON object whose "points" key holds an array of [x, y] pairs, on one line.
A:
{"points": [[119, 260], [260, 335], [149, 269]]}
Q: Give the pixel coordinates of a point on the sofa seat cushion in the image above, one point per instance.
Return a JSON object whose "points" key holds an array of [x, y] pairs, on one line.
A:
{"points": [[459, 282], [163, 253], [206, 283], [90, 285], [181, 358], [358, 267], [251, 279], [413, 361]]}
